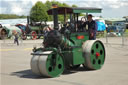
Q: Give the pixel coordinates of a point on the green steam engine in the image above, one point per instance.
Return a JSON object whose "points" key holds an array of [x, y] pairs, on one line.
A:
{"points": [[68, 47]]}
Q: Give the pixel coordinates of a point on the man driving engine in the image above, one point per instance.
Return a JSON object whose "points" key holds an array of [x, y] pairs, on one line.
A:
{"points": [[90, 26]]}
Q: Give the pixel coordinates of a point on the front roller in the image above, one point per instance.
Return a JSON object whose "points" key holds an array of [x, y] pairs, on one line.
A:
{"points": [[94, 54], [47, 64]]}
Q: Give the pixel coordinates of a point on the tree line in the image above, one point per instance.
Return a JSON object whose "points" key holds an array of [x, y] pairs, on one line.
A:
{"points": [[11, 16], [38, 12]]}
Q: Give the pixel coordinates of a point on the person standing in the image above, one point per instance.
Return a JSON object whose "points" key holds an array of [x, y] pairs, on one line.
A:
{"points": [[90, 25], [16, 37]]}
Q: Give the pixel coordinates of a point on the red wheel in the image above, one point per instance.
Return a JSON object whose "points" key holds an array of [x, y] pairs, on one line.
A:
{"points": [[34, 35], [24, 36]]}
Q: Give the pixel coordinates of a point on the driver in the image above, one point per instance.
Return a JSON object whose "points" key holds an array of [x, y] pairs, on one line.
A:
{"points": [[90, 26]]}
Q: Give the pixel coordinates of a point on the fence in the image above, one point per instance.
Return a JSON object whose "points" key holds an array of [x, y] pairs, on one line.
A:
{"points": [[109, 38], [114, 39]]}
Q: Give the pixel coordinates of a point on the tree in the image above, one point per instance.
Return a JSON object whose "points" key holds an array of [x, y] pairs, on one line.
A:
{"points": [[38, 12], [48, 5], [74, 5]]}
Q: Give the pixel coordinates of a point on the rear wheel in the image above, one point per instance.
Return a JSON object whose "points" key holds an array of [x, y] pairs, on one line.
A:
{"points": [[24, 36], [3, 33], [94, 54], [34, 35]]}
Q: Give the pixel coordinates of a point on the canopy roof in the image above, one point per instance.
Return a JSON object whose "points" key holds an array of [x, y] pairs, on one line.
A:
{"points": [[69, 10]]}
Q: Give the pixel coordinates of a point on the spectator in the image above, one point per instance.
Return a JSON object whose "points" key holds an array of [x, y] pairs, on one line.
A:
{"points": [[16, 37]]}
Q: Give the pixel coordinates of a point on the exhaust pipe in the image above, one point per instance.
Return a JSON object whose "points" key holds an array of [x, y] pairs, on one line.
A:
{"points": [[55, 16]]}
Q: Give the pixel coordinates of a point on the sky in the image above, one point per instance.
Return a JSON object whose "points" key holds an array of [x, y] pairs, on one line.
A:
{"points": [[111, 8]]}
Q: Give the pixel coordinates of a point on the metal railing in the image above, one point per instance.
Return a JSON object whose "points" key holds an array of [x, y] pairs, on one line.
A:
{"points": [[107, 39], [116, 40]]}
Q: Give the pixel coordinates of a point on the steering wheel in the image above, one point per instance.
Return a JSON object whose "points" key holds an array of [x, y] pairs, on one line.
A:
{"points": [[83, 19]]}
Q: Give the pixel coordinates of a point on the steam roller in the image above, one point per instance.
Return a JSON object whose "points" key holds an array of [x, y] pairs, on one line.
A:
{"points": [[66, 49], [60, 53]]}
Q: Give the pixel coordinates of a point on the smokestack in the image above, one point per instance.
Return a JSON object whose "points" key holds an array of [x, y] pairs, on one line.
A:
{"points": [[55, 16], [28, 20]]}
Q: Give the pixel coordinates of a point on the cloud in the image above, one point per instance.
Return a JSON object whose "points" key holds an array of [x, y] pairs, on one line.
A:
{"points": [[15, 7], [20, 7], [111, 8], [99, 3], [17, 10]]}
